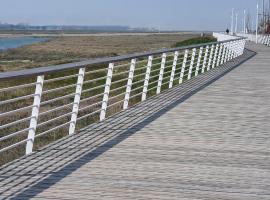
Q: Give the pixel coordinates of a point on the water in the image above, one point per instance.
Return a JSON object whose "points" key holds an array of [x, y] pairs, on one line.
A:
{"points": [[14, 42]]}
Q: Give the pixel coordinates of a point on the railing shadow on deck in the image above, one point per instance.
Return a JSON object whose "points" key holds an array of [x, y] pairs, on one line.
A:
{"points": [[59, 160]]}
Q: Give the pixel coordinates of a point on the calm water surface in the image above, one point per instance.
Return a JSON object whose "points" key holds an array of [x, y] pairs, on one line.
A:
{"points": [[14, 42]]}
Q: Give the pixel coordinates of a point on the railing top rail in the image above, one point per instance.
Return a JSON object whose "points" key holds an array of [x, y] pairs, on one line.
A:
{"points": [[51, 108], [75, 65]]}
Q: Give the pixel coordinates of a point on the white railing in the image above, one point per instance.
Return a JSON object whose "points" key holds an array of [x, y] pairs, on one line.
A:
{"points": [[41, 105], [260, 39]]}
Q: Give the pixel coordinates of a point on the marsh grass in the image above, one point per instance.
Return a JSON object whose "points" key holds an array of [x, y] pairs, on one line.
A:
{"points": [[197, 40]]}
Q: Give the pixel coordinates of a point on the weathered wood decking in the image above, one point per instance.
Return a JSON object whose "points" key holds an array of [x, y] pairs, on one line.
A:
{"points": [[206, 139]]}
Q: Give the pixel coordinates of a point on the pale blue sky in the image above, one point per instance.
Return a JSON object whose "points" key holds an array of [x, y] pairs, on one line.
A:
{"points": [[167, 14]]}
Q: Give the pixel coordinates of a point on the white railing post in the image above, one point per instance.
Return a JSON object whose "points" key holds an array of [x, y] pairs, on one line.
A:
{"points": [[34, 115], [210, 57], [183, 67], [232, 51], [205, 59], [106, 92], [129, 83], [76, 104], [161, 72], [228, 52], [215, 56], [239, 47], [147, 77], [223, 53], [191, 63], [176, 54], [219, 55], [235, 49], [199, 62]]}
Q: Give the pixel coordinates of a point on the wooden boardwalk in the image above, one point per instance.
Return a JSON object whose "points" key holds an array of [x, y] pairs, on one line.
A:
{"points": [[206, 139]]}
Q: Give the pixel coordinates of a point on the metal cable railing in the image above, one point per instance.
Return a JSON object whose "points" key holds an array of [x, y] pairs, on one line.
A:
{"points": [[66, 98]]}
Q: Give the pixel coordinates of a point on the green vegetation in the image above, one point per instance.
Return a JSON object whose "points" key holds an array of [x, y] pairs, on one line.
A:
{"points": [[194, 41], [66, 49]]}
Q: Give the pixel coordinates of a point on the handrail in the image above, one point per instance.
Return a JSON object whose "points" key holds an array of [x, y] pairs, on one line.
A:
{"points": [[260, 38], [63, 103], [77, 65]]}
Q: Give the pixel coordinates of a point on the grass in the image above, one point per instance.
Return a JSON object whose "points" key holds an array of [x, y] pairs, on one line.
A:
{"points": [[59, 50], [117, 86], [194, 41]]}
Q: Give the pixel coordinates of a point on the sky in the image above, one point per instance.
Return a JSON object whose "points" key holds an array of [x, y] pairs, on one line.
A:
{"points": [[212, 15]]}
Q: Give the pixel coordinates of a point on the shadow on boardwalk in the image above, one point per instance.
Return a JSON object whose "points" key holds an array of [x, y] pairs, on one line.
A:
{"points": [[29, 176]]}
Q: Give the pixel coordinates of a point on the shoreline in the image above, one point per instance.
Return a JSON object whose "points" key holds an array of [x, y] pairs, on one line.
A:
{"points": [[12, 35]]}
